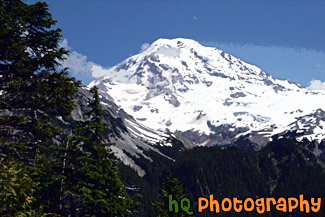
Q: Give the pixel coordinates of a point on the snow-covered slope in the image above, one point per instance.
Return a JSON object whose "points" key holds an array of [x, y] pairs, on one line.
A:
{"points": [[311, 126], [206, 95]]}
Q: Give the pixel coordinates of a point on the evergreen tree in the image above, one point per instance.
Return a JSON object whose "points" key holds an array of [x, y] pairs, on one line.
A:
{"points": [[171, 186], [33, 92], [91, 186], [16, 189]]}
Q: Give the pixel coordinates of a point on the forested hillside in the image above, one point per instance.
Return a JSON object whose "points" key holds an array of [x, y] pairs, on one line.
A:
{"points": [[281, 169]]}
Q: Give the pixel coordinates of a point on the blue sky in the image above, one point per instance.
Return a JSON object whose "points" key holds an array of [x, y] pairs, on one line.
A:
{"points": [[284, 38]]}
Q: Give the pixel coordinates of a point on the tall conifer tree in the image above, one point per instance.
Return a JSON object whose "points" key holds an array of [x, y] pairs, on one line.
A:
{"points": [[91, 186], [33, 91]]}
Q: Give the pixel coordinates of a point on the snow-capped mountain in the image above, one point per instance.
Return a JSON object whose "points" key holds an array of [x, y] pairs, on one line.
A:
{"points": [[208, 97]]}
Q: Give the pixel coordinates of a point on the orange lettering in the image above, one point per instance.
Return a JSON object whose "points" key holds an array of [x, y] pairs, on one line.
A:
{"points": [[252, 204], [200, 206]]}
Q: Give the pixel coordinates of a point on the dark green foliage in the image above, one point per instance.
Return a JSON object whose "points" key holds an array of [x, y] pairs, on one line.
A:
{"points": [[16, 189], [171, 186], [90, 183], [33, 91], [292, 170], [44, 177], [282, 168]]}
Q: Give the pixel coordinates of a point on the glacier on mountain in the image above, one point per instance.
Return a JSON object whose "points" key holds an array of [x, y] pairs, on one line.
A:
{"points": [[207, 96]]}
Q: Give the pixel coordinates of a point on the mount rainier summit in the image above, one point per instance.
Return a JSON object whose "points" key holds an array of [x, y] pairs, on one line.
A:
{"points": [[204, 96]]}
